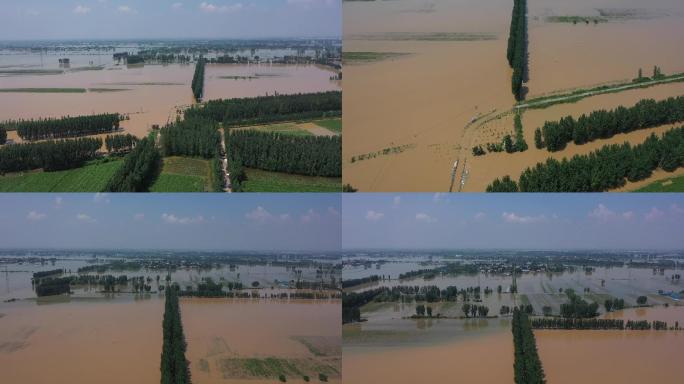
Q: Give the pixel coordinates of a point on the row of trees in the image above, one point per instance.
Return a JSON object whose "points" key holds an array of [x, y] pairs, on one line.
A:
{"points": [[527, 366], [353, 301], [303, 155], [48, 155], [576, 323], [174, 366], [614, 305], [64, 127], [198, 79], [517, 46], [53, 286], [217, 176], [472, 310], [237, 172], [120, 143], [191, 137], [577, 307], [139, 170], [601, 170], [348, 283], [3, 135], [603, 124], [42, 274], [268, 109]]}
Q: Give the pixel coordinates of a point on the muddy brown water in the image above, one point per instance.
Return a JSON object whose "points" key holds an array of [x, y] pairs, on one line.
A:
{"points": [[93, 342], [424, 100]]}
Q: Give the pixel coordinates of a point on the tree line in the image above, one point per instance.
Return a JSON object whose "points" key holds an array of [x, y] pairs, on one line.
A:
{"points": [[3, 135], [517, 46], [174, 366], [348, 283], [603, 124], [353, 301], [64, 127], [527, 366], [120, 143], [53, 286], [198, 79], [577, 307], [49, 155], [600, 170], [269, 109], [191, 137], [302, 155], [40, 275], [139, 170]]}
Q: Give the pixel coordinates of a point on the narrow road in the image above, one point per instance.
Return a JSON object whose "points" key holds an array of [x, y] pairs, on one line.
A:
{"points": [[224, 163]]}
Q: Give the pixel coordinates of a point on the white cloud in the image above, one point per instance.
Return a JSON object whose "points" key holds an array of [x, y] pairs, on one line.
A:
{"points": [[480, 216], [425, 218], [58, 202], [177, 6], [654, 214], [173, 219], [333, 211], [677, 209], [514, 218], [603, 213], [139, 217], [309, 3], [85, 218], [438, 197], [374, 216], [126, 9], [285, 217], [212, 8], [101, 198], [35, 216], [310, 216], [81, 10], [259, 214], [396, 201]]}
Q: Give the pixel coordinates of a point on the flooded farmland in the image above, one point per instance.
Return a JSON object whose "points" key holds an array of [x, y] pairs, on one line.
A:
{"points": [[226, 338], [32, 85], [437, 87]]}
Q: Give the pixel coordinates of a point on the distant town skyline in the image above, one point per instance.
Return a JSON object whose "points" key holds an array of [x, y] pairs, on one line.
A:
{"points": [[238, 222], [168, 19], [513, 221]]}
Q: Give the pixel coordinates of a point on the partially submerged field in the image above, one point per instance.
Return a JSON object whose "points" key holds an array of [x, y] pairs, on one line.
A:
{"points": [[245, 341], [415, 108]]}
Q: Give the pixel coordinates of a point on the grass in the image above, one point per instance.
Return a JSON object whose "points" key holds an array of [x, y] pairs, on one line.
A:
{"points": [[673, 184], [183, 174], [275, 368], [265, 181], [42, 90], [103, 90], [429, 36], [90, 178], [333, 125], [291, 129], [369, 57], [31, 72]]}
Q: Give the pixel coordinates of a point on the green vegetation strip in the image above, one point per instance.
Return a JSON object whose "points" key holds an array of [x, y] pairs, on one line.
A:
{"points": [[369, 57], [674, 184], [182, 174], [517, 47], [387, 151], [42, 90], [90, 178], [576, 19], [428, 36], [333, 125], [276, 368], [265, 181], [527, 366], [174, 366]]}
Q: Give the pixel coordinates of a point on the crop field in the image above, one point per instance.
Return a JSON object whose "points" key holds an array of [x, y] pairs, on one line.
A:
{"points": [[183, 174], [674, 184], [90, 178], [264, 181]]}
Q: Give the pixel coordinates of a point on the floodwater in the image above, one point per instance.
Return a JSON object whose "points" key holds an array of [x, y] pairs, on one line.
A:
{"points": [[421, 105], [149, 94], [615, 356], [220, 329], [88, 342], [488, 359]]}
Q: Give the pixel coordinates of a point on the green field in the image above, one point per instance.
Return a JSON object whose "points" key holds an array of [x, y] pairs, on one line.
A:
{"points": [[333, 125], [91, 178], [264, 181], [42, 90], [183, 174], [292, 129], [674, 184]]}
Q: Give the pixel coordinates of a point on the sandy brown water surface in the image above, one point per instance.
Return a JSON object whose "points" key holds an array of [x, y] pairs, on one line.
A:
{"points": [[84, 342]]}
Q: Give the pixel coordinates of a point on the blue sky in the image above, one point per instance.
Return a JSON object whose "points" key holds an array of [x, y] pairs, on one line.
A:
{"points": [[520, 221], [114, 19], [171, 221]]}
